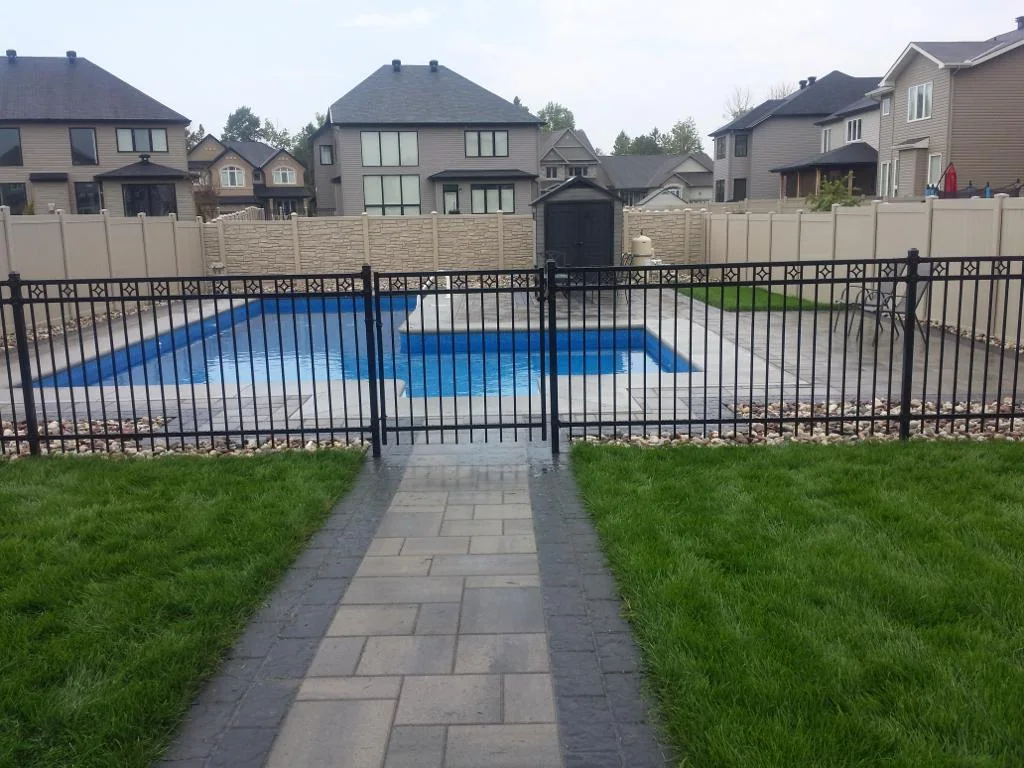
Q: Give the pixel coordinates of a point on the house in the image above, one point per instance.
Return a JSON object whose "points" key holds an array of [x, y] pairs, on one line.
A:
{"points": [[636, 177], [250, 173], [953, 102], [565, 153], [74, 137], [778, 133], [848, 150], [414, 139]]}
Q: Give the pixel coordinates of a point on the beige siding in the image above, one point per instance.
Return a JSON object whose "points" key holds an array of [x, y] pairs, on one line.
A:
{"points": [[206, 150], [988, 121], [869, 128], [231, 158], [777, 142], [284, 161]]}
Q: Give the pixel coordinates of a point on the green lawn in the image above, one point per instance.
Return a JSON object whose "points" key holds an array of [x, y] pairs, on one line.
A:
{"points": [[749, 298], [122, 583], [823, 605]]}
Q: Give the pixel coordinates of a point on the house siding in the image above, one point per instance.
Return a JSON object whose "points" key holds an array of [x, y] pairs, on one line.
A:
{"points": [[870, 126], [776, 142], [284, 161], [327, 192], [987, 124], [46, 148]]}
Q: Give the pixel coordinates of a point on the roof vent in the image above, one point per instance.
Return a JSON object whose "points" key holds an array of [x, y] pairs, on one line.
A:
{"points": [[433, 65], [396, 65], [72, 55], [11, 54], [803, 84], [1020, 22], [811, 79]]}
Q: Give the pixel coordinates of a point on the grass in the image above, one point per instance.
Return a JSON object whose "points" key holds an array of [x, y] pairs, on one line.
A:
{"points": [[122, 583], [823, 605], [749, 298]]}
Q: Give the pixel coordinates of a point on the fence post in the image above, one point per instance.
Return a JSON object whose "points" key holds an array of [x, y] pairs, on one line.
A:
{"points": [[549, 292], [371, 359], [106, 240], [145, 244], [63, 242], [501, 239], [295, 241], [434, 242], [174, 242], [5, 225], [24, 362], [222, 250], [366, 237], [909, 332]]}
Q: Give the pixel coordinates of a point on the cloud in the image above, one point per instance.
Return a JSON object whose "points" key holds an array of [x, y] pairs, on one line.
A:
{"points": [[412, 18]]}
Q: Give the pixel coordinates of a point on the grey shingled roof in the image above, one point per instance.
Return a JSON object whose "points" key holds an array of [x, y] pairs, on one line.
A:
{"points": [[863, 104], [855, 153], [417, 96], [54, 88], [143, 170], [256, 153], [749, 119], [639, 171], [963, 52]]}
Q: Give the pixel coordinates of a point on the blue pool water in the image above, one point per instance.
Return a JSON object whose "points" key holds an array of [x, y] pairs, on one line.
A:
{"points": [[320, 340]]}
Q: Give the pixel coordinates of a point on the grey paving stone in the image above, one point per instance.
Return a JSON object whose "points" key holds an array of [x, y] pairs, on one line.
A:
{"points": [[626, 698], [336, 657], [502, 610], [326, 733], [436, 545], [640, 746], [501, 511], [401, 524], [311, 558], [310, 621], [528, 699], [289, 658], [483, 565], [458, 512], [257, 640], [563, 601], [407, 655], [503, 746], [594, 760], [416, 746], [570, 633], [419, 499], [513, 526], [325, 591], [471, 528], [617, 652], [446, 699], [600, 586], [339, 567], [475, 497], [265, 703], [243, 747], [478, 654], [493, 545], [203, 726], [438, 619], [232, 680], [522, 580], [362, 621], [385, 547], [591, 562], [399, 589], [326, 688], [394, 566]]}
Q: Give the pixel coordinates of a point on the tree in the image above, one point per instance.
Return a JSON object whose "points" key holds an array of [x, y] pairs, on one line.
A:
{"points": [[622, 144], [274, 136], [833, 192], [519, 103], [557, 116], [683, 139], [738, 104], [781, 90], [242, 125], [646, 144], [194, 137]]}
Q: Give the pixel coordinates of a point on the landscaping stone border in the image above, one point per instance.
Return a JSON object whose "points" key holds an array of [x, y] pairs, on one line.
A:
{"points": [[235, 718]]}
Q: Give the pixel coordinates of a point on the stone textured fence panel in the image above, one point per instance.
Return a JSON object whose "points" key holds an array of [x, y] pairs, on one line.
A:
{"points": [[678, 236]]}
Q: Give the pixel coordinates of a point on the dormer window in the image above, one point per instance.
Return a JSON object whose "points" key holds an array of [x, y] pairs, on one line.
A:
{"points": [[232, 176]]}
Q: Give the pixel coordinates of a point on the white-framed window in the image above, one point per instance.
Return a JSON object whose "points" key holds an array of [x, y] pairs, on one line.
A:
{"points": [[391, 195], [578, 170], [486, 143], [886, 105], [491, 198], [141, 140], [551, 171], [854, 129], [232, 176], [826, 139], [919, 102], [326, 154], [284, 175], [885, 180], [934, 168], [390, 148]]}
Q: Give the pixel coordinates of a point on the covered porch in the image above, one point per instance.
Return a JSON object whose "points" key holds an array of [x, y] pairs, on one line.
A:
{"points": [[857, 162]]}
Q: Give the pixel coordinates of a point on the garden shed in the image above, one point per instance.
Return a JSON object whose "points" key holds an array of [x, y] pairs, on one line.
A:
{"points": [[579, 224]]}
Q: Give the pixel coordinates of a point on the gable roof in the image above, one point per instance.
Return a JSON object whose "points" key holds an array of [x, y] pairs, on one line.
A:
{"points": [[143, 170], [419, 95], [255, 153], [956, 54], [822, 97], [549, 141], [854, 153], [640, 171], [574, 181], [64, 89], [863, 104]]}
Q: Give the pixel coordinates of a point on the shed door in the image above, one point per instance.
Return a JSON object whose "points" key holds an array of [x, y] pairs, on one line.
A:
{"points": [[579, 234]]}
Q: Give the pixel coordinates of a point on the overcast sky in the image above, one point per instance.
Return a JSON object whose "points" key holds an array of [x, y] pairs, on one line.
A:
{"points": [[618, 64]]}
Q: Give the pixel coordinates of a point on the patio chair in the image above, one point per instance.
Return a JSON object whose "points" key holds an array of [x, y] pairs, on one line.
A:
{"points": [[886, 300]]}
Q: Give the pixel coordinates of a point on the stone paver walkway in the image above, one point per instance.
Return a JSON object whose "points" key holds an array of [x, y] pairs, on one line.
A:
{"points": [[453, 641]]}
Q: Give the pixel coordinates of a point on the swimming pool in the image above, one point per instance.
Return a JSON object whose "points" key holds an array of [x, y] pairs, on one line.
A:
{"points": [[321, 340]]}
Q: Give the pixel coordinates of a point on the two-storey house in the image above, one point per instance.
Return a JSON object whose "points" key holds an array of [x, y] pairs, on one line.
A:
{"points": [[565, 153], [959, 103], [777, 133], [250, 173], [74, 137], [409, 140], [635, 178]]}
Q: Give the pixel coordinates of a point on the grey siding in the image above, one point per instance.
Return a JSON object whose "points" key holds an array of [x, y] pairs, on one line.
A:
{"points": [[776, 142], [327, 191], [579, 194], [987, 126]]}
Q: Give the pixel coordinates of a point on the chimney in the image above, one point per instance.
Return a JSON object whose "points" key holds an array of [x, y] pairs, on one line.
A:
{"points": [[811, 79], [433, 65], [1020, 22], [396, 65], [72, 55], [803, 84], [11, 54]]}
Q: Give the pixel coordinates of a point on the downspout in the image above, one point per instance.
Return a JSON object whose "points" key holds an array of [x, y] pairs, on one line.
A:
{"points": [[949, 118]]}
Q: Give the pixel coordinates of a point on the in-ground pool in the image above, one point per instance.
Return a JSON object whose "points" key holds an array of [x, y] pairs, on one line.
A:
{"points": [[320, 340]]}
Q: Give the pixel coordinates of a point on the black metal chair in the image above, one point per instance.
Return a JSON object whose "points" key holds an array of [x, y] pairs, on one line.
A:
{"points": [[884, 300]]}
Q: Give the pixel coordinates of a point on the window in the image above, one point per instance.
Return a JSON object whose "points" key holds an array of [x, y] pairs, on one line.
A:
{"points": [[854, 129], [326, 154], [14, 196], [739, 189], [150, 199], [579, 170], [284, 175], [391, 195], [919, 102], [10, 146], [739, 145], [389, 148], [934, 169], [88, 197], [720, 148], [885, 181], [141, 140], [451, 198], [551, 171], [720, 191], [826, 140], [486, 143], [886, 105], [491, 198], [232, 176], [257, 176], [83, 146]]}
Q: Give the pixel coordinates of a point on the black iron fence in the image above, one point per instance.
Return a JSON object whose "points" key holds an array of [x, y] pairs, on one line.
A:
{"points": [[750, 351]]}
